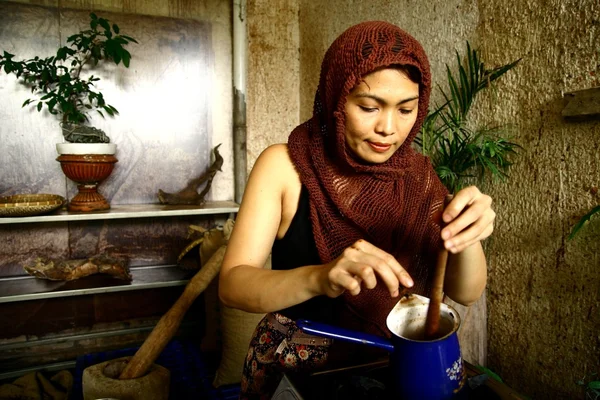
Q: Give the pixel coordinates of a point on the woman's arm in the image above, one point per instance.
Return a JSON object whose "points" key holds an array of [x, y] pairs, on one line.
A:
{"points": [[466, 275], [470, 219], [243, 282]]}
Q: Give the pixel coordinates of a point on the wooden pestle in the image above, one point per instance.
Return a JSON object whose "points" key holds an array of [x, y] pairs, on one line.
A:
{"points": [[166, 327], [432, 322]]}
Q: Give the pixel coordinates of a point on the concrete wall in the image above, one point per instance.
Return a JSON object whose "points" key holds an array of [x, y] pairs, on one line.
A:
{"points": [[273, 102], [543, 291]]}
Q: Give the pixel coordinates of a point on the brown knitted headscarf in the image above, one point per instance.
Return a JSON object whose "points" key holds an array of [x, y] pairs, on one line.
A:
{"points": [[391, 205]]}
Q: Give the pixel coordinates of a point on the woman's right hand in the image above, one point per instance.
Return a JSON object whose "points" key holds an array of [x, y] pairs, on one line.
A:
{"points": [[362, 264]]}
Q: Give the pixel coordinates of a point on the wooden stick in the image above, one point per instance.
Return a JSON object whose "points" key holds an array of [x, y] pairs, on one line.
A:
{"points": [[166, 327], [432, 323]]}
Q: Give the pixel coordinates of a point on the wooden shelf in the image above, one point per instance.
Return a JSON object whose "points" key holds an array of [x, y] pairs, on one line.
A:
{"points": [[130, 211], [23, 288]]}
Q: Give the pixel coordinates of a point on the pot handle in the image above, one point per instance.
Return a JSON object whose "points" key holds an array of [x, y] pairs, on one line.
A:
{"points": [[334, 332]]}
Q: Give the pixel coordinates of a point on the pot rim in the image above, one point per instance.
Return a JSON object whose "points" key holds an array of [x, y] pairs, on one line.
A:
{"points": [[418, 305], [86, 148]]}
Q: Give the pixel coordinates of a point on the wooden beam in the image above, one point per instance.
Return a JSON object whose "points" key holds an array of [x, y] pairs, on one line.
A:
{"points": [[582, 105]]}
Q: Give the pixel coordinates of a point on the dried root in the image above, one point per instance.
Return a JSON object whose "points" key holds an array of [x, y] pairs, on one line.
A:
{"points": [[68, 270]]}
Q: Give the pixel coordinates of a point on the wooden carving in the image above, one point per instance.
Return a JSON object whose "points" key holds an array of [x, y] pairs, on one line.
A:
{"points": [[189, 195]]}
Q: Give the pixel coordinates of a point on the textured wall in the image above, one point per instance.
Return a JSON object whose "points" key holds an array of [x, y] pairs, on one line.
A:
{"points": [[273, 65], [543, 291]]}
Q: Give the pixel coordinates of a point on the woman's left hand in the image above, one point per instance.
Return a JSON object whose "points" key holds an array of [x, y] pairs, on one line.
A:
{"points": [[469, 218]]}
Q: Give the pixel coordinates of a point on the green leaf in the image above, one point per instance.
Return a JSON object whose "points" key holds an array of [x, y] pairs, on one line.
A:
{"points": [[489, 372], [116, 56], [582, 221], [96, 52], [126, 57], [39, 106], [61, 54], [105, 24], [115, 28], [595, 385], [109, 111], [51, 104], [129, 38]]}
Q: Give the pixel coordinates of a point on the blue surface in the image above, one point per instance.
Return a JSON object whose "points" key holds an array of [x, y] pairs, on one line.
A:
{"points": [[192, 371]]}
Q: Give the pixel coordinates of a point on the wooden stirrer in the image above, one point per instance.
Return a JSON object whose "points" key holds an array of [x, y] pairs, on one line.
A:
{"points": [[432, 323]]}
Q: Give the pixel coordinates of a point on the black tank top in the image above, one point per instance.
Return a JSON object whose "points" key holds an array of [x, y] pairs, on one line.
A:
{"points": [[296, 249]]}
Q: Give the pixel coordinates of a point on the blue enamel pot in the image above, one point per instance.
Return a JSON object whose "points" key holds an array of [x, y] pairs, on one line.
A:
{"points": [[422, 369]]}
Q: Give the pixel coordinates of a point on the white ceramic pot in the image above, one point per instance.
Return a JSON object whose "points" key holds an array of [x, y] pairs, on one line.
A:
{"points": [[86, 148]]}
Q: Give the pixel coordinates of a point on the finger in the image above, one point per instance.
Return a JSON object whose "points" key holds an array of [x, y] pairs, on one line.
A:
{"points": [[389, 264], [349, 283], [467, 218], [478, 232], [475, 231], [365, 274], [383, 263], [366, 277], [459, 202], [367, 265], [465, 245], [472, 213]]}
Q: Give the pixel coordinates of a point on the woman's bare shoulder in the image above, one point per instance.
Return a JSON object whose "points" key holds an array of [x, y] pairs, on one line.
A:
{"points": [[275, 162], [276, 173], [276, 152]]}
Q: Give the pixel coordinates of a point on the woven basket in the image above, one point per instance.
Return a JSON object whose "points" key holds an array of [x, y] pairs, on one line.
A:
{"points": [[22, 205]]}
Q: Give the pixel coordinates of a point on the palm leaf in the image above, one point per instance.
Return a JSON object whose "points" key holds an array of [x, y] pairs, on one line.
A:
{"points": [[583, 220], [456, 152]]}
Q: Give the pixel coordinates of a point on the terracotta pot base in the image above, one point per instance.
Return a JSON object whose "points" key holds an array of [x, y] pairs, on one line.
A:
{"points": [[88, 199], [88, 170]]}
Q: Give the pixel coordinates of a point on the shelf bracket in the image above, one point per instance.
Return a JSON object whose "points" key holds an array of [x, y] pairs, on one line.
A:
{"points": [[582, 105]]}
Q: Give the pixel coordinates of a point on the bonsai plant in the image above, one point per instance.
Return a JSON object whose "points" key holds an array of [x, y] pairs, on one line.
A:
{"points": [[458, 151], [57, 81], [59, 87]]}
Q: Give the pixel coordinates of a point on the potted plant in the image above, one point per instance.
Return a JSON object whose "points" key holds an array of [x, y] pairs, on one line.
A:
{"points": [[458, 151], [87, 157]]}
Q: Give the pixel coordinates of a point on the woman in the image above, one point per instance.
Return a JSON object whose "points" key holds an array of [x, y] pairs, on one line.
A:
{"points": [[347, 209]]}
